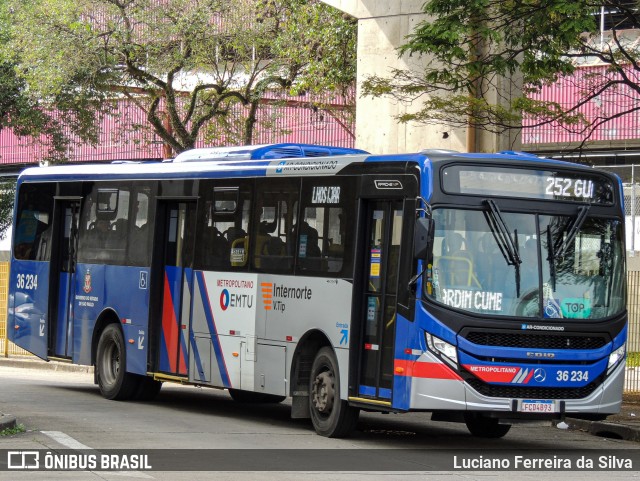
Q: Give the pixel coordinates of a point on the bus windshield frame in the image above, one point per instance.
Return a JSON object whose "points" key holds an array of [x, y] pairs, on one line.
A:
{"points": [[481, 269]]}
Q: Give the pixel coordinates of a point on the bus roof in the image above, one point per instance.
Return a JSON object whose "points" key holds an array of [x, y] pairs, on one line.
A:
{"points": [[266, 151], [266, 160]]}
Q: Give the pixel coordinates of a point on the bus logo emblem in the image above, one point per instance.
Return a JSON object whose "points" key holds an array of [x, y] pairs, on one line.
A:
{"points": [[267, 295], [224, 299], [388, 184], [87, 282], [539, 375]]}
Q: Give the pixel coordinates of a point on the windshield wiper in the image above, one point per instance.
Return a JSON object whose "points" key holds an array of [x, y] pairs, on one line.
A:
{"points": [[508, 245], [551, 259], [562, 244]]}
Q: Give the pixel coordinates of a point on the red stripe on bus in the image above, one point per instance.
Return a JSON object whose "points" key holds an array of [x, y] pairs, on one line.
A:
{"points": [[529, 377], [429, 370], [169, 325]]}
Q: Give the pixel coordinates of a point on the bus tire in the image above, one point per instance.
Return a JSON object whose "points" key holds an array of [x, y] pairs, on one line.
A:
{"points": [[331, 416], [485, 427], [114, 381], [251, 397], [147, 389]]}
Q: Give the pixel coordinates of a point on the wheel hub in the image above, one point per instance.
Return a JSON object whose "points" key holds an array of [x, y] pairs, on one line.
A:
{"points": [[323, 392]]}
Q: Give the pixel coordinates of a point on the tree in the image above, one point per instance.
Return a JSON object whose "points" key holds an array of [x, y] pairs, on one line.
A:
{"points": [[22, 111], [479, 47], [186, 63], [7, 195]]}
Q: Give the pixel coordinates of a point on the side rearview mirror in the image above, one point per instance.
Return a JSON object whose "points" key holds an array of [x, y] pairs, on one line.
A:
{"points": [[422, 236]]}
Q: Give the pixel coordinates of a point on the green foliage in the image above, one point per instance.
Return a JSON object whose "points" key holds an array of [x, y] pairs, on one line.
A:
{"points": [[184, 62], [13, 431], [474, 48], [22, 109], [7, 194]]}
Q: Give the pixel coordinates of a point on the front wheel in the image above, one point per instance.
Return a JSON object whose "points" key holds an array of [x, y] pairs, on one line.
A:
{"points": [[331, 416], [113, 379], [484, 427]]}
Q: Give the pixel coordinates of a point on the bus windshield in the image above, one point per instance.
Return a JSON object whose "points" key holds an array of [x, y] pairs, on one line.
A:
{"points": [[527, 264]]}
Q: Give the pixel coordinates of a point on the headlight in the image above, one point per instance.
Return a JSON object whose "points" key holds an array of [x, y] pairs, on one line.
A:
{"points": [[616, 356], [443, 348]]}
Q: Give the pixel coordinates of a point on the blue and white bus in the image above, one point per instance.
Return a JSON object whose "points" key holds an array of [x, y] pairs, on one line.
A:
{"points": [[483, 288]]}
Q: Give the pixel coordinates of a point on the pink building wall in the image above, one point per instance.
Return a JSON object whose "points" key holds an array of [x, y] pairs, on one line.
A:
{"points": [[122, 138], [612, 103]]}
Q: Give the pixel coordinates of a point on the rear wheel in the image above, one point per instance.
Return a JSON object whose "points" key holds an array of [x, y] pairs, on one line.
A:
{"points": [[484, 427], [111, 360], [331, 416], [255, 397]]}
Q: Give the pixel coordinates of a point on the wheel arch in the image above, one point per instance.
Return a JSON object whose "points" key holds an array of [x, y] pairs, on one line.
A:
{"points": [[106, 317], [310, 343]]}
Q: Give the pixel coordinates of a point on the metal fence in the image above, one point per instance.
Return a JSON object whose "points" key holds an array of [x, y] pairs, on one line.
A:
{"points": [[632, 382], [630, 176]]}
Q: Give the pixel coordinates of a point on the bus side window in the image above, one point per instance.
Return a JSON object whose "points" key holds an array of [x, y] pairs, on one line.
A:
{"points": [[104, 226], [232, 215], [223, 236], [323, 242], [86, 249], [35, 213], [273, 246], [141, 230], [115, 237]]}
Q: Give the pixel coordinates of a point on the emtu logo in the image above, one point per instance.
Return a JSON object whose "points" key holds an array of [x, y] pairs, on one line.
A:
{"points": [[224, 299], [267, 295]]}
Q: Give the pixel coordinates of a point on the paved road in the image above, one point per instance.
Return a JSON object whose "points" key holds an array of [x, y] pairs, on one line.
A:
{"points": [[64, 410]]}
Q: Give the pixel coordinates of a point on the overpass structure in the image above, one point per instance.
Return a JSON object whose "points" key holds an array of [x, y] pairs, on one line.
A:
{"points": [[382, 27]]}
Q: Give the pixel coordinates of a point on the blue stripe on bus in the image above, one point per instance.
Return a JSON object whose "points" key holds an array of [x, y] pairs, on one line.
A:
{"points": [[367, 391], [164, 355], [196, 358], [384, 393], [224, 374]]}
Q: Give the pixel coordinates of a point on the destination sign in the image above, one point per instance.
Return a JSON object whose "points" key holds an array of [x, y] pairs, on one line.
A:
{"points": [[527, 183]]}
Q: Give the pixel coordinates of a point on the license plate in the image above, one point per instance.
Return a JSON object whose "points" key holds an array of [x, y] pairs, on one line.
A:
{"points": [[537, 406]]}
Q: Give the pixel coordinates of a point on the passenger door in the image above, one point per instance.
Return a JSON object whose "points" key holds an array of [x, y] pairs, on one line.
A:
{"points": [[64, 249], [177, 286], [384, 226]]}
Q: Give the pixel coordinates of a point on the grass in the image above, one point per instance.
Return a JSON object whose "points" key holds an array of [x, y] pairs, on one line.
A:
{"points": [[19, 428], [633, 359]]}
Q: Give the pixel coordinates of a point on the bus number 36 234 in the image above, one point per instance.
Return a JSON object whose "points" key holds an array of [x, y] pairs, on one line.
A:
{"points": [[27, 281], [572, 375]]}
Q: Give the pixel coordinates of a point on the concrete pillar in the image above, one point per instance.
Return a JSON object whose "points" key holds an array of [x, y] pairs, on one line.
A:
{"points": [[382, 27]]}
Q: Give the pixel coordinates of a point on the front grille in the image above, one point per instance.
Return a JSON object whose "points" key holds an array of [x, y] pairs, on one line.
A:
{"points": [[526, 392], [535, 341]]}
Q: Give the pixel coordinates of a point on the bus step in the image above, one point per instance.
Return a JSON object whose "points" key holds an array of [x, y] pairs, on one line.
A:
{"points": [[67, 360], [369, 401], [158, 376]]}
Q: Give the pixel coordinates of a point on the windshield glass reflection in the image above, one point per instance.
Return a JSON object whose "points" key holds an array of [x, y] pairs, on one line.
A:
{"points": [[474, 269]]}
